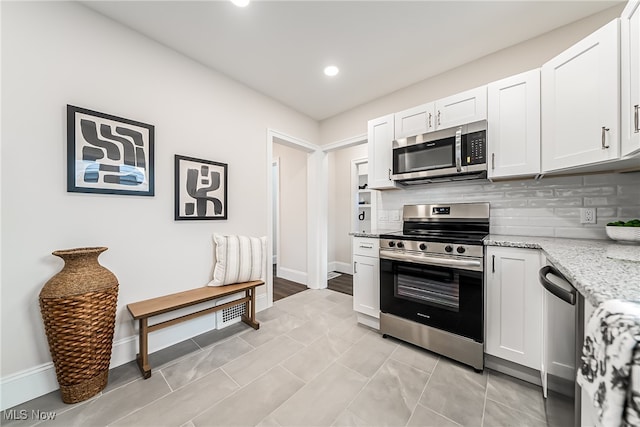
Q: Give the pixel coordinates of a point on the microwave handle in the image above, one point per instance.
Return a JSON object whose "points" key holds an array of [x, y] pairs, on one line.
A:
{"points": [[459, 150]]}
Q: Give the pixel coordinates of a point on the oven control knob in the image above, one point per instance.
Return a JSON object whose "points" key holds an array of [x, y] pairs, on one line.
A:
{"points": [[392, 244], [448, 248], [460, 249], [422, 246], [400, 245]]}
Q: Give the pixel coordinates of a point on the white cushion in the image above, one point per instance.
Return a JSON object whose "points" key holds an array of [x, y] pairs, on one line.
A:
{"points": [[239, 259]]}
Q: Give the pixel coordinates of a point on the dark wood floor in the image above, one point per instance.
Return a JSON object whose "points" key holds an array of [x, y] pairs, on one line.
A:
{"points": [[283, 288], [343, 283]]}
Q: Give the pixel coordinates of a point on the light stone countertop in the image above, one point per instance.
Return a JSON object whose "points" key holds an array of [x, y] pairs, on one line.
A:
{"points": [[375, 234], [599, 269]]}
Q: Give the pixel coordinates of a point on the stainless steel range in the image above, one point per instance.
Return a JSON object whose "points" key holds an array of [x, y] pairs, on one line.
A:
{"points": [[432, 280]]}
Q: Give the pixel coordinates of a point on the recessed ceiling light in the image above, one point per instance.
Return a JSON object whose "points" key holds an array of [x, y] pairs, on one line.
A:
{"points": [[240, 3], [331, 70]]}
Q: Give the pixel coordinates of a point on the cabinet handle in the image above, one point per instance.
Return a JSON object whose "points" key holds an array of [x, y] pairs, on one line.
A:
{"points": [[366, 247], [493, 161], [439, 118], [429, 126], [604, 137], [389, 174], [636, 119], [493, 263], [355, 270]]}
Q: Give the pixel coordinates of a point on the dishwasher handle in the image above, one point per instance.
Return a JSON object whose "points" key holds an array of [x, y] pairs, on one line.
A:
{"points": [[567, 296]]}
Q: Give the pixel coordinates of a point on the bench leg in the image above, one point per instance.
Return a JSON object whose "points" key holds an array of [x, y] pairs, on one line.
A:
{"points": [[251, 309], [143, 356]]}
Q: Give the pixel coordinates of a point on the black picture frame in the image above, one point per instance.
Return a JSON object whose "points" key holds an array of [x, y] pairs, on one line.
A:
{"points": [[200, 189], [108, 154]]}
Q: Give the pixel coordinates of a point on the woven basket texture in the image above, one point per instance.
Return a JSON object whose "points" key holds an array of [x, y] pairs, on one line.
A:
{"points": [[78, 307]]}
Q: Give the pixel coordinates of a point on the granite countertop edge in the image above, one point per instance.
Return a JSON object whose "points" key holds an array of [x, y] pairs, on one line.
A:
{"points": [[599, 269]]}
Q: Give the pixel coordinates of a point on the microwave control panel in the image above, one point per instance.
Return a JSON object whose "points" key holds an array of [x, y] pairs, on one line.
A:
{"points": [[476, 148]]}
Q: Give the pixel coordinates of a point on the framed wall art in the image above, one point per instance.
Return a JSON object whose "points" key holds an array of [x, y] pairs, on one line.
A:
{"points": [[108, 154], [201, 189]]}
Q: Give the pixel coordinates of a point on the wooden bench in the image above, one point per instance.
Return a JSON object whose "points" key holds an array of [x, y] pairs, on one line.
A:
{"points": [[143, 310]]}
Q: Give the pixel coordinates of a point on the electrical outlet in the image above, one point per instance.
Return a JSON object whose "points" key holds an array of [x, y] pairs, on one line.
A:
{"points": [[395, 215], [383, 215], [587, 216]]}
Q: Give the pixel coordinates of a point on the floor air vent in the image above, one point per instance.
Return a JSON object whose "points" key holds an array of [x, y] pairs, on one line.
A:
{"points": [[229, 316]]}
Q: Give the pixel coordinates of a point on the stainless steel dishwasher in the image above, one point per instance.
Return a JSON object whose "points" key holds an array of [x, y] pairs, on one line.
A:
{"points": [[563, 314]]}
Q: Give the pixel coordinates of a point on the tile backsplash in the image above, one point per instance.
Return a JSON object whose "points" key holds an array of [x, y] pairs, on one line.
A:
{"points": [[547, 207]]}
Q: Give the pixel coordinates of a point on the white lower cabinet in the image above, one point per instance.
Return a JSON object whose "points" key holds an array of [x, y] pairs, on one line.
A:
{"points": [[366, 281], [514, 305]]}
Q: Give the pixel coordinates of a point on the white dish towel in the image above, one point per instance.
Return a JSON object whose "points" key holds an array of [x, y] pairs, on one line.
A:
{"points": [[610, 369]]}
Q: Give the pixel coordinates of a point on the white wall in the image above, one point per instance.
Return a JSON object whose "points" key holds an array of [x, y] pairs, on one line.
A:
{"points": [[292, 238], [59, 53], [521, 57], [340, 206]]}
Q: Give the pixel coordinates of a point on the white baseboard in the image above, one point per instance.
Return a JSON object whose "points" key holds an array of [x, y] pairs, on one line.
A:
{"points": [[340, 267], [39, 380], [26, 385], [369, 321], [293, 275]]}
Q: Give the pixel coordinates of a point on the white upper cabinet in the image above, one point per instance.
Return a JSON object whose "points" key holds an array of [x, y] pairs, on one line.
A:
{"points": [[380, 135], [514, 126], [454, 110], [630, 73], [581, 103], [415, 121], [464, 107]]}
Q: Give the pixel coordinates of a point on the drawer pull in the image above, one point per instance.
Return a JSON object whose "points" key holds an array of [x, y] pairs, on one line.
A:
{"points": [[366, 247]]}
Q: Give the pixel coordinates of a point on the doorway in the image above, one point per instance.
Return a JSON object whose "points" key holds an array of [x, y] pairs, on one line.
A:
{"points": [[343, 217]]}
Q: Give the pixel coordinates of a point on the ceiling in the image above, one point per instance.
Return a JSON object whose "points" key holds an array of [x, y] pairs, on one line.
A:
{"points": [[280, 48]]}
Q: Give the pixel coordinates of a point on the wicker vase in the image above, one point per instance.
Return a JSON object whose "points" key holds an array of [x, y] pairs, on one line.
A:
{"points": [[78, 307]]}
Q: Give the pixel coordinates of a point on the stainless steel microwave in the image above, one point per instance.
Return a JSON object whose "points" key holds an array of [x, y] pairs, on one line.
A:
{"points": [[458, 153]]}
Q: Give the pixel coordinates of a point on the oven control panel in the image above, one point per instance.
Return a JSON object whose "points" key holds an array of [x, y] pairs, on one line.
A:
{"points": [[452, 249]]}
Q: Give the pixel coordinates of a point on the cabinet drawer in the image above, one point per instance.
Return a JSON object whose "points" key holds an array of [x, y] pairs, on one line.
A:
{"points": [[366, 246]]}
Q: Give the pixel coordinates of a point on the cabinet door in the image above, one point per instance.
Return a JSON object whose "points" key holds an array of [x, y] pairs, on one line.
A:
{"points": [[414, 121], [380, 134], [630, 74], [462, 108], [514, 305], [514, 125], [366, 285], [580, 102]]}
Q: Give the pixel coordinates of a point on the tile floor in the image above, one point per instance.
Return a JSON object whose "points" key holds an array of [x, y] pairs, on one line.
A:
{"points": [[310, 364]]}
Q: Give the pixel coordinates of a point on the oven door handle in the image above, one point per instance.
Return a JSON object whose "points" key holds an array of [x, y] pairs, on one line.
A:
{"points": [[428, 260]]}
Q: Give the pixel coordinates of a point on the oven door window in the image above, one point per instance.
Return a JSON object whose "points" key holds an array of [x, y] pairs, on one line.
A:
{"points": [[435, 287]]}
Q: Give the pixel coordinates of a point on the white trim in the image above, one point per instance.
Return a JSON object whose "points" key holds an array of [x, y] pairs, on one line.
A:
{"points": [[369, 321], [26, 385], [340, 267], [261, 302], [290, 141], [316, 275], [346, 143], [276, 209], [293, 275]]}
